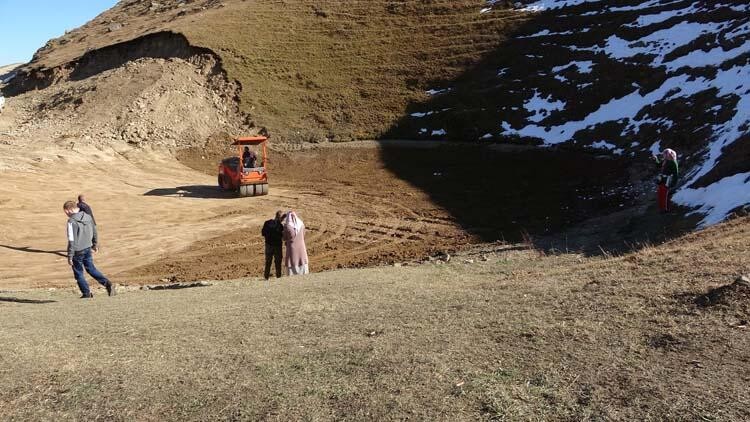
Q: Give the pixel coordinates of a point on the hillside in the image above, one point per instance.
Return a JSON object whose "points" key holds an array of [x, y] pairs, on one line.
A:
{"points": [[490, 251], [499, 333], [628, 79], [309, 70], [625, 79]]}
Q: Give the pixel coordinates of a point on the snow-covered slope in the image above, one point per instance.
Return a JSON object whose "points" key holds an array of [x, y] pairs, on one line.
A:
{"points": [[628, 77], [703, 48]]}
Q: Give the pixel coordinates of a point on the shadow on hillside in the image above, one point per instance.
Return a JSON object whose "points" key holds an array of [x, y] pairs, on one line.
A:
{"points": [[193, 191], [504, 194], [620, 232], [28, 249], [26, 301], [497, 194]]}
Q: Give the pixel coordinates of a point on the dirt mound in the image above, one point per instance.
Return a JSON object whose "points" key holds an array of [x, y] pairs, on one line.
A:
{"points": [[171, 102], [737, 293]]}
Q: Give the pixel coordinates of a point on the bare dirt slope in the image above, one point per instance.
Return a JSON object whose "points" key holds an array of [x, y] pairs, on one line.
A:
{"points": [[154, 209], [151, 102], [656, 335]]}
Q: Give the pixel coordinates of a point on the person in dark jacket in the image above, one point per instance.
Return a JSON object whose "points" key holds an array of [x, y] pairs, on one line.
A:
{"points": [[248, 158], [272, 231], [83, 206], [82, 240], [667, 179]]}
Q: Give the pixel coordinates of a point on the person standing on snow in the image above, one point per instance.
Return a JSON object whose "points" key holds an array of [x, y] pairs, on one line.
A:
{"points": [[296, 250], [667, 179], [82, 240]]}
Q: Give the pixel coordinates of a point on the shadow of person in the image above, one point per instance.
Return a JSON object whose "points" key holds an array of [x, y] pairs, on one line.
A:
{"points": [[28, 301], [194, 191], [28, 249]]}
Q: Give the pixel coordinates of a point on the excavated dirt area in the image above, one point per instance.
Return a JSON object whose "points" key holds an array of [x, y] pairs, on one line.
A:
{"points": [[361, 212], [161, 221]]}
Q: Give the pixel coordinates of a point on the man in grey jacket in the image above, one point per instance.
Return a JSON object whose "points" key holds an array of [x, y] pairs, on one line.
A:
{"points": [[81, 242]]}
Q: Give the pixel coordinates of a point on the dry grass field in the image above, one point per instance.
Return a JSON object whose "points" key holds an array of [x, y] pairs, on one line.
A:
{"points": [[650, 335]]}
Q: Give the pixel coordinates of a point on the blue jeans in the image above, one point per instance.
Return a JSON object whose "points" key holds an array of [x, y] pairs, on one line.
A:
{"points": [[83, 260]]}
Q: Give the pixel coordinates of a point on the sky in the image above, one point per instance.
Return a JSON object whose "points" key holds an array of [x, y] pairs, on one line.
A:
{"points": [[25, 25]]}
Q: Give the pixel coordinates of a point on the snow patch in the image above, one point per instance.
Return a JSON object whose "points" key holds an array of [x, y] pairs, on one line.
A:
{"points": [[660, 43], [718, 199], [715, 56], [647, 20], [655, 148], [604, 145], [433, 92], [540, 6], [541, 107], [582, 66]]}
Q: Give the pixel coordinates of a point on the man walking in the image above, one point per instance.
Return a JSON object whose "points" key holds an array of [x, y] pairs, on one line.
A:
{"points": [[82, 240], [272, 230], [83, 206]]}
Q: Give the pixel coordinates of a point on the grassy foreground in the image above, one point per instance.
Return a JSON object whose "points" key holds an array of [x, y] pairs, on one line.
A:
{"points": [[517, 337]]}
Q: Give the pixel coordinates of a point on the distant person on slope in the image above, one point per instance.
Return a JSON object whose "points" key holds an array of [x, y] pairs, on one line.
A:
{"points": [[273, 231], [82, 240], [248, 158], [296, 251], [83, 206], [667, 179]]}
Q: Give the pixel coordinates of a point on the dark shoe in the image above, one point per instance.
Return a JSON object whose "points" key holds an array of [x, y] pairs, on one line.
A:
{"points": [[88, 296], [111, 289]]}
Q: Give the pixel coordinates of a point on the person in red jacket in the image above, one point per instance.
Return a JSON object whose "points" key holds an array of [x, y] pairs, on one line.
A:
{"points": [[667, 179]]}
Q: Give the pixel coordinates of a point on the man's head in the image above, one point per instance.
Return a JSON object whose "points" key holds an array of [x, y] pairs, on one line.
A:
{"points": [[81, 198], [247, 149], [279, 215], [70, 208]]}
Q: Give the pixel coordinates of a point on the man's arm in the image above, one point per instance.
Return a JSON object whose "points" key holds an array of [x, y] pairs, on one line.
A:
{"points": [[71, 238], [673, 172], [94, 240]]}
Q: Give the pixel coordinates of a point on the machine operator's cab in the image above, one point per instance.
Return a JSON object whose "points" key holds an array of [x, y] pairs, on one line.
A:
{"points": [[247, 172]]}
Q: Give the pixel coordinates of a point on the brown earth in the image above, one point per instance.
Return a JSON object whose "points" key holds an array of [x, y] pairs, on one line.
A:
{"points": [[160, 220], [360, 213]]}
